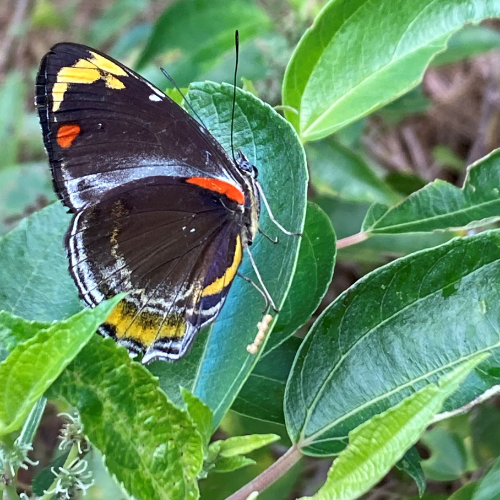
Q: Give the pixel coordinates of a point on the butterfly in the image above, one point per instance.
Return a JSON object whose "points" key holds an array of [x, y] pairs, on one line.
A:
{"points": [[159, 208]]}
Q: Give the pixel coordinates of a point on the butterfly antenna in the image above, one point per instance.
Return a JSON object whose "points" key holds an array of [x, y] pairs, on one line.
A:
{"points": [[237, 47], [172, 81]]}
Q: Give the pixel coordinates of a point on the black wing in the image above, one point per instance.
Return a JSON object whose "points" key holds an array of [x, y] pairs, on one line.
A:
{"points": [[172, 245], [103, 125]]}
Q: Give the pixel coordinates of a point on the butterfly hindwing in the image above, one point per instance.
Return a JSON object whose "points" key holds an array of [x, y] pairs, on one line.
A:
{"points": [[176, 261]]}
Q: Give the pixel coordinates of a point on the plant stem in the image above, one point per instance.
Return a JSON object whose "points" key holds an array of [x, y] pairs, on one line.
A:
{"points": [[270, 475], [73, 453], [11, 492], [32, 422], [352, 240]]}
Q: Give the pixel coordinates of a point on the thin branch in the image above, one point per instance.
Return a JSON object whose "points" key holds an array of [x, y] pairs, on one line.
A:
{"points": [[416, 151], [489, 109], [270, 475], [492, 391], [12, 31], [352, 240]]}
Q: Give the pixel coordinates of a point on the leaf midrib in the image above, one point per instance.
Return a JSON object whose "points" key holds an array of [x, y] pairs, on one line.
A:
{"points": [[436, 217], [395, 391], [310, 439], [126, 431], [371, 76]]}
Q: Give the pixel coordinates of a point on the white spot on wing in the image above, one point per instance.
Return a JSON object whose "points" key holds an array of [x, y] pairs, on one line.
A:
{"points": [[154, 97]]}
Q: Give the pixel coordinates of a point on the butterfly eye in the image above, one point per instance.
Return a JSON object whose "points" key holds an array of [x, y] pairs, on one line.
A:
{"points": [[245, 165]]}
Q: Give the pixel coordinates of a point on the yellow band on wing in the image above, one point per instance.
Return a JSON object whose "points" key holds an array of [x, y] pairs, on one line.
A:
{"points": [[106, 65], [144, 327], [218, 285], [86, 71]]}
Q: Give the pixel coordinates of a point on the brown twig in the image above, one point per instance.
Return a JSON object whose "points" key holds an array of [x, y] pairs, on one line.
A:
{"points": [[489, 109], [351, 240], [270, 475], [416, 151]]}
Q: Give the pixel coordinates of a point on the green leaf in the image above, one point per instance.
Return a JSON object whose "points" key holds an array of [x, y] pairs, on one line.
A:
{"points": [[347, 217], [45, 14], [489, 487], [485, 421], [263, 393], [446, 156], [225, 455], [338, 171], [410, 463], [448, 460], [377, 444], [373, 52], [151, 446], [240, 445], [440, 205], [45, 477], [14, 330], [350, 136], [176, 96], [34, 278], [394, 330], [219, 363], [465, 492], [412, 102], [248, 86], [200, 414], [312, 277], [229, 464], [33, 365], [255, 63], [25, 188], [468, 42], [404, 183], [192, 35]]}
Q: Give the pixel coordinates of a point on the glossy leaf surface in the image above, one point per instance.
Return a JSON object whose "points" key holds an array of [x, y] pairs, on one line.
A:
{"points": [[338, 171], [440, 205], [359, 55], [377, 444], [219, 363], [263, 394], [34, 277], [33, 365], [312, 276], [394, 330]]}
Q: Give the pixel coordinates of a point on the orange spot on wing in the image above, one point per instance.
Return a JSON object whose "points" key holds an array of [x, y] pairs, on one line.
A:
{"points": [[219, 186], [67, 134]]}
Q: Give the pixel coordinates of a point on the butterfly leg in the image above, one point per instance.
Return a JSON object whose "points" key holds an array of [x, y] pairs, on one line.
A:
{"points": [[262, 288], [269, 211], [272, 240]]}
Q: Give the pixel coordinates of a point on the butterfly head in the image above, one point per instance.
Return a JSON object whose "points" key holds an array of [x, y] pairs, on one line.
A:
{"points": [[245, 166]]}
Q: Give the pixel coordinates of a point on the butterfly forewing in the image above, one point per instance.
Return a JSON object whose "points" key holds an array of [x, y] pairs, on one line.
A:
{"points": [[104, 125]]}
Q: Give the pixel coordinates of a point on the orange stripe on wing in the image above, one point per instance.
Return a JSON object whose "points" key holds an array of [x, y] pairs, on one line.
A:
{"points": [[219, 186], [67, 134]]}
